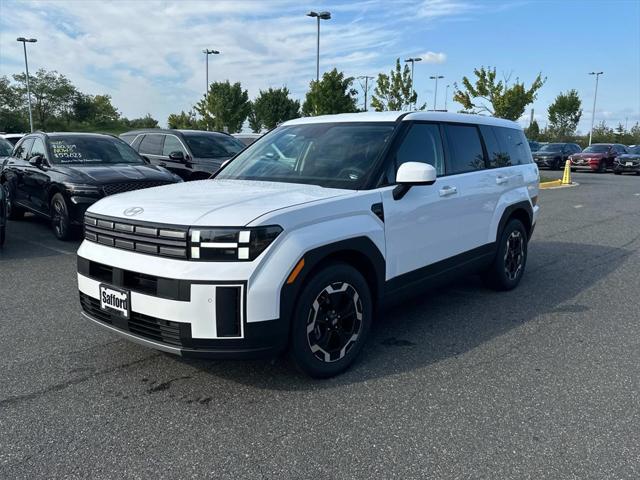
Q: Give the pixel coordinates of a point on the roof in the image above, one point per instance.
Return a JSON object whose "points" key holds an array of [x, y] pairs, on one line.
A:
{"points": [[406, 116], [170, 130]]}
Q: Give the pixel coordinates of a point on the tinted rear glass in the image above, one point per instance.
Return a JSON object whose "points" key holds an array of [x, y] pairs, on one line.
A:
{"points": [[466, 149], [204, 145], [513, 146]]}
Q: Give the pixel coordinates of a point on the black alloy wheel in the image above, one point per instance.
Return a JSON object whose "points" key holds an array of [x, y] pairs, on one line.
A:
{"points": [[331, 321], [13, 212], [508, 265], [60, 220]]}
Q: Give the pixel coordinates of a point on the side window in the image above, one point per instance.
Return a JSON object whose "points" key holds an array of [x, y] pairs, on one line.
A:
{"points": [[466, 149], [152, 144], [621, 149], [38, 148], [22, 149], [513, 141], [129, 138], [172, 144], [498, 157], [422, 143]]}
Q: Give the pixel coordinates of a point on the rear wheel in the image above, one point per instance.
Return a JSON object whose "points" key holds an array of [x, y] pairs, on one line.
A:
{"points": [[511, 258], [60, 221], [331, 321], [2, 235], [13, 212]]}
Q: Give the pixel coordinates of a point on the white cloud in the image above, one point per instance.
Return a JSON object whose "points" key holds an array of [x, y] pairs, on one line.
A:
{"points": [[433, 57], [147, 54]]}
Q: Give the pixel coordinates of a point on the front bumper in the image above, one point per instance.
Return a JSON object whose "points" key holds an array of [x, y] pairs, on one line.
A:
{"points": [[585, 164], [623, 167], [545, 162]]}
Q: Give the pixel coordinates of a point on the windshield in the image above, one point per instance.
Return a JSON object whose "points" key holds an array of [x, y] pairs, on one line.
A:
{"points": [[551, 147], [334, 155], [5, 148], [634, 150], [207, 145], [596, 149], [90, 150]]}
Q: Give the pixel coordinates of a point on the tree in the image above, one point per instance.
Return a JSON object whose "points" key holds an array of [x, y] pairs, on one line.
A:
{"points": [[274, 106], [564, 115], [333, 94], [94, 110], [533, 131], [254, 122], [394, 91], [602, 133], [185, 120], [496, 98], [13, 114], [145, 122], [226, 107], [52, 95]]}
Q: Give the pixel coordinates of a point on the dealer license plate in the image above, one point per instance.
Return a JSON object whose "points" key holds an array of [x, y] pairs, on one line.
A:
{"points": [[115, 300]]}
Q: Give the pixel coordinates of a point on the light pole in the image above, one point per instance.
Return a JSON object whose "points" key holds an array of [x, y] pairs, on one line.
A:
{"points": [[319, 16], [412, 61], [208, 52], [435, 93], [365, 88], [26, 67], [446, 96], [595, 95]]}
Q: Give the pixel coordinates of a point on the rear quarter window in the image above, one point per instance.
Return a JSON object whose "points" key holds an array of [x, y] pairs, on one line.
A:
{"points": [[513, 145]]}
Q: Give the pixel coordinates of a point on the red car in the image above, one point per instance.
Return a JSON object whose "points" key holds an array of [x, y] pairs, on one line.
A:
{"points": [[598, 157]]}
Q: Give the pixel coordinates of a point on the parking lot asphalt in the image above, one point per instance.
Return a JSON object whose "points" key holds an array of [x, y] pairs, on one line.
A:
{"points": [[540, 382]]}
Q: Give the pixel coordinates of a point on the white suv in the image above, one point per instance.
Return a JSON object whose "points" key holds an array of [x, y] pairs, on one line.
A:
{"points": [[299, 239]]}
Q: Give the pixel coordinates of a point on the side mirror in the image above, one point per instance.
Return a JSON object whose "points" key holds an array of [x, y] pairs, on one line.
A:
{"points": [[146, 159], [177, 156], [411, 174], [37, 161]]}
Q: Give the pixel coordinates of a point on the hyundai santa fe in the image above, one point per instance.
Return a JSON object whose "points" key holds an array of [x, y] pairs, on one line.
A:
{"points": [[298, 240]]}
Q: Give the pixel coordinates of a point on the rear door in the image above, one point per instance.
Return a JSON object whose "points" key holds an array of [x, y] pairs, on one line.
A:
{"points": [[172, 144], [36, 179]]}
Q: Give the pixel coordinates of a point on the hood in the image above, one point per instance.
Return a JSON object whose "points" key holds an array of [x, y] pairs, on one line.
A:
{"points": [[100, 175], [214, 203], [624, 156]]}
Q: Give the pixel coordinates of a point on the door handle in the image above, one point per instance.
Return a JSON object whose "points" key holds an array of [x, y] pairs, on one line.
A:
{"points": [[448, 190], [501, 179]]}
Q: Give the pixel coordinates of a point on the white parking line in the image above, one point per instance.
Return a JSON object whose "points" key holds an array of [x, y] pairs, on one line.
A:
{"points": [[577, 206]]}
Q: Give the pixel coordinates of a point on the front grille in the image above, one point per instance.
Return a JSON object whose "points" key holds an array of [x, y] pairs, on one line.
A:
{"points": [[169, 241], [163, 331], [113, 188]]}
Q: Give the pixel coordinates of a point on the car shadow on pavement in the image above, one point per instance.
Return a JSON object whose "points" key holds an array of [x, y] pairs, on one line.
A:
{"points": [[32, 237], [449, 322]]}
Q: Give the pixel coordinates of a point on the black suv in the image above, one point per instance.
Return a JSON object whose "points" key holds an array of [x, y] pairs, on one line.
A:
{"points": [[191, 154], [554, 155], [58, 175]]}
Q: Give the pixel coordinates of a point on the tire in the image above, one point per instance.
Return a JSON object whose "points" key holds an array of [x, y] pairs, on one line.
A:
{"points": [[617, 172], [60, 221], [2, 235], [336, 304], [574, 169], [511, 258], [557, 165], [602, 166], [13, 212]]}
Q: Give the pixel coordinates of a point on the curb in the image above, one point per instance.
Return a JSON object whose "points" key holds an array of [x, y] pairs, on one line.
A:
{"points": [[555, 184]]}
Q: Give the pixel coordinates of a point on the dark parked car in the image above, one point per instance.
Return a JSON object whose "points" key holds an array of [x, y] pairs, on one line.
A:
{"points": [[3, 204], [247, 138], [628, 162], [554, 155], [191, 154], [58, 175], [598, 157], [534, 146], [6, 147]]}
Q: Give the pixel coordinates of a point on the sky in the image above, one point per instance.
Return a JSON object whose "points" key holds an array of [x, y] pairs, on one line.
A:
{"points": [[147, 54]]}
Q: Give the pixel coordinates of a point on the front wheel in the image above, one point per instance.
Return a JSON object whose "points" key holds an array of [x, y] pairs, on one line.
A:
{"points": [[60, 221], [511, 258], [331, 321], [2, 235], [13, 212]]}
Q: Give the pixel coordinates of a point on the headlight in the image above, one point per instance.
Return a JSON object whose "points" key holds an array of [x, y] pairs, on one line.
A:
{"points": [[82, 189], [230, 244]]}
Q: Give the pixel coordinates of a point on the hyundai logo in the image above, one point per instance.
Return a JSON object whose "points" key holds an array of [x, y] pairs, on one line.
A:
{"points": [[133, 211]]}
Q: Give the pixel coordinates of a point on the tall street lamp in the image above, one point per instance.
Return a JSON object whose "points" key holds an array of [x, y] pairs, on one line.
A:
{"points": [[412, 61], [319, 16], [26, 66], [595, 95], [208, 52], [435, 93], [446, 96], [366, 79]]}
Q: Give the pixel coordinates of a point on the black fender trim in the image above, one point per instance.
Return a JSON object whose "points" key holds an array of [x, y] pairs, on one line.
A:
{"points": [[524, 205], [351, 250]]}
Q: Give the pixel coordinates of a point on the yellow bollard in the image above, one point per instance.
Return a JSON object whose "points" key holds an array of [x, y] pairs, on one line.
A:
{"points": [[566, 176]]}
